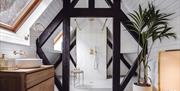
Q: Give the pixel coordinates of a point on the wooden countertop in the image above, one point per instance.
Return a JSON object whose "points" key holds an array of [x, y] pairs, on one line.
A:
{"points": [[27, 70]]}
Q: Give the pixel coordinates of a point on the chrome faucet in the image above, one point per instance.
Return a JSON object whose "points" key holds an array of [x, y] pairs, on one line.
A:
{"points": [[20, 52]]}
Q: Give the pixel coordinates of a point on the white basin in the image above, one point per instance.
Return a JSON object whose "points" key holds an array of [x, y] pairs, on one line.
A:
{"points": [[28, 63]]}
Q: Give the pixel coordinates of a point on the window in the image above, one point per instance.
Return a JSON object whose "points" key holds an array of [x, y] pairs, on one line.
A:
{"points": [[58, 42], [14, 12]]}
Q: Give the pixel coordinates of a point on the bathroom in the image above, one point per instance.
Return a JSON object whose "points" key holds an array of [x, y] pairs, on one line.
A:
{"points": [[90, 67]]}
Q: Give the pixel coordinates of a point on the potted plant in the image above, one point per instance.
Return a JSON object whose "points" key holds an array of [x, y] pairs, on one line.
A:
{"points": [[151, 25]]}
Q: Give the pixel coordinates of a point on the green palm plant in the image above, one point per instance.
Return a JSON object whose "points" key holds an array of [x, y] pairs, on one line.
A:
{"points": [[151, 25]]}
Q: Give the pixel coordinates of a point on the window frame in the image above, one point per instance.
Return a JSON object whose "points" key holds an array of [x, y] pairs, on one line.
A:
{"points": [[27, 11]]}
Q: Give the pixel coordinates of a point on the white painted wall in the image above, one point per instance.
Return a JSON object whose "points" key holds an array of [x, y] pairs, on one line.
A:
{"points": [[92, 37], [167, 6], [166, 44], [128, 43], [6, 47]]}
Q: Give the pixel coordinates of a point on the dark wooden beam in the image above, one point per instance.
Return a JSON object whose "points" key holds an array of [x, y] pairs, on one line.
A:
{"points": [[109, 63], [94, 12], [58, 83], [116, 4], [116, 51], [123, 60], [121, 57], [91, 3], [72, 44], [126, 22], [54, 24], [51, 27], [116, 47], [66, 48], [66, 54], [60, 58], [58, 61], [114, 12], [74, 2], [131, 73], [109, 2], [42, 55], [126, 63], [109, 43], [72, 60]]}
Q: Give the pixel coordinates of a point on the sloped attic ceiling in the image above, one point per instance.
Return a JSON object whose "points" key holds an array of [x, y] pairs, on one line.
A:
{"points": [[169, 6]]}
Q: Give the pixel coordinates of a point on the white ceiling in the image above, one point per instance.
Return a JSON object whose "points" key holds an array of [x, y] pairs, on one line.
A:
{"points": [[168, 6]]}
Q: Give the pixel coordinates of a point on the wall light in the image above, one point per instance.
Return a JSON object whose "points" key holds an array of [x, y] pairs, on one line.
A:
{"points": [[169, 71]]}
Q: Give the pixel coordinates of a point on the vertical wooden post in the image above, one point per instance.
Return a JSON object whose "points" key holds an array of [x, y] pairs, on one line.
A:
{"points": [[116, 57], [116, 47], [91, 3], [66, 54], [66, 48]]}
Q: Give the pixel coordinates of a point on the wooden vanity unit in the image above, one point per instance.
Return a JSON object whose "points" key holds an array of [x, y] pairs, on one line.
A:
{"points": [[36, 79]]}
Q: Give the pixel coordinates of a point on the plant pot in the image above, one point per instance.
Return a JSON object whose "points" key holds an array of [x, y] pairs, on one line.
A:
{"points": [[141, 88]]}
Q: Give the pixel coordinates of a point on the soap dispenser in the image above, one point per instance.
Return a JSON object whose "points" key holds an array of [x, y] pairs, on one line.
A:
{"points": [[3, 62]]}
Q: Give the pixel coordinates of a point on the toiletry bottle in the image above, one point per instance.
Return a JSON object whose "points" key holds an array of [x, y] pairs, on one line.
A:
{"points": [[3, 62]]}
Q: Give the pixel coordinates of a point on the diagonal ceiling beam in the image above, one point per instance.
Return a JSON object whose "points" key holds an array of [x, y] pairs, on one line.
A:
{"points": [[126, 63], [126, 22], [58, 61], [121, 58], [72, 60], [109, 63], [42, 55], [109, 2], [51, 27], [131, 73], [58, 83], [74, 2], [54, 25], [72, 44], [60, 58]]}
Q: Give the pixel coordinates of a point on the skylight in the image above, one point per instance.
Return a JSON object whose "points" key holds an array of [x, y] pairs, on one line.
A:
{"points": [[14, 12]]}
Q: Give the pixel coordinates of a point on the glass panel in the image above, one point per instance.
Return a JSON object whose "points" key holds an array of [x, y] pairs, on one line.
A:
{"points": [[90, 54]]}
